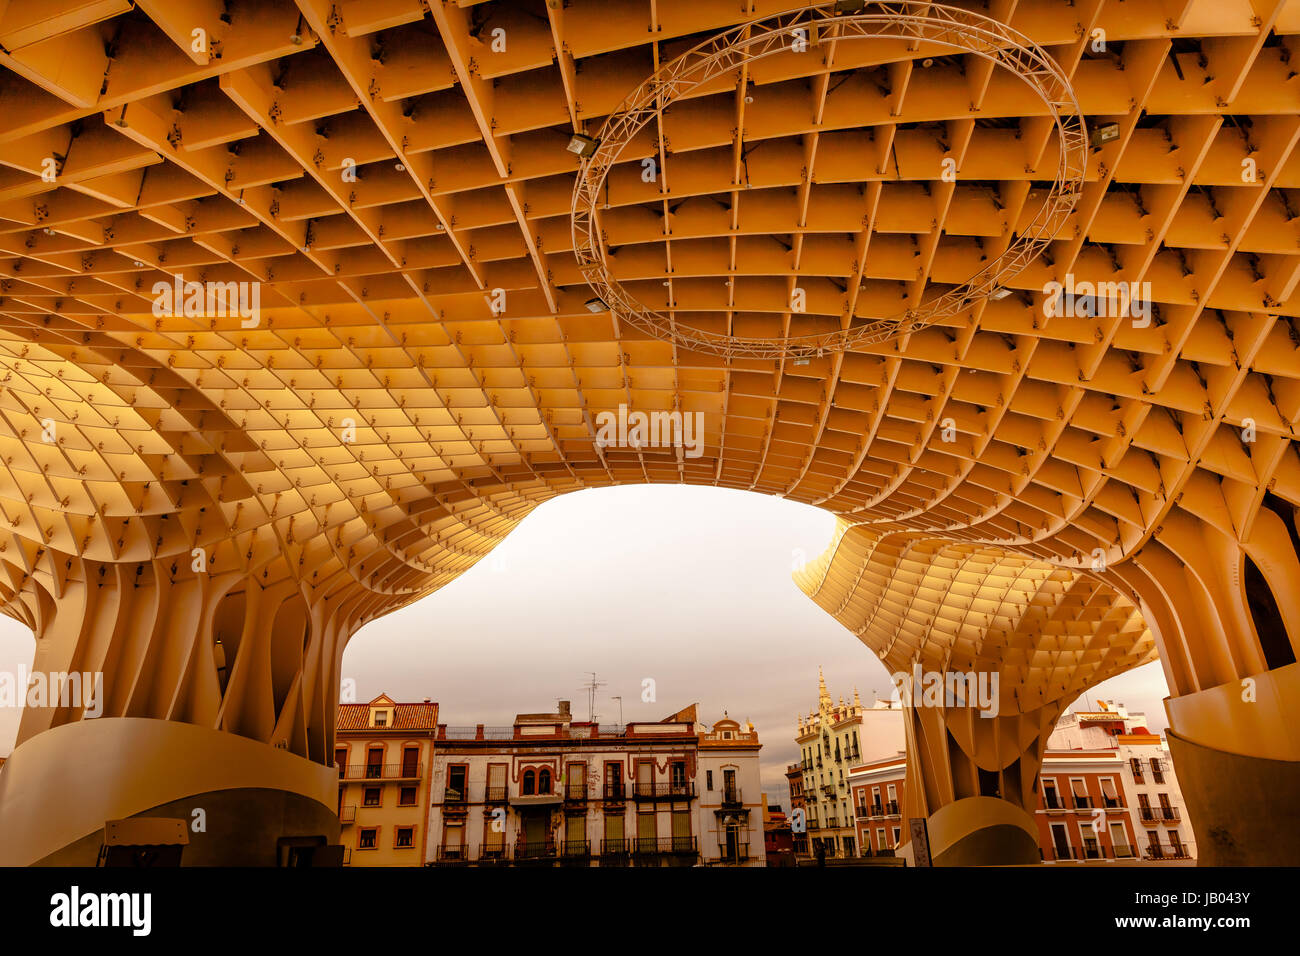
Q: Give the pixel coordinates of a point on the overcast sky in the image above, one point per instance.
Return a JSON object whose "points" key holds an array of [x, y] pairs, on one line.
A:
{"points": [[687, 586]]}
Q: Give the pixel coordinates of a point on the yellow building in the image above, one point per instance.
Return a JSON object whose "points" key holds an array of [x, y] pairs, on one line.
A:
{"points": [[384, 752]]}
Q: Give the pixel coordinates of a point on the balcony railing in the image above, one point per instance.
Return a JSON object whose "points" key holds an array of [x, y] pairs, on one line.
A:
{"points": [[1082, 803], [614, 849], [575, 792], [347, 814], [575, 849], [663, 791], [643, 846], [542, 850], [731, 797], [1161, 851], [496, 794], [737, 853], [828, 789], [1148, 815], [382, 771], [453, 796], [1053, 802], [453, 853], [1169, 813], [891, 808], [492, 855]]}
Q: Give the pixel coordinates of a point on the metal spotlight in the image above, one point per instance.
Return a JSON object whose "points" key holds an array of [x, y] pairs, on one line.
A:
{"points": [[596, 305], [582, 145], [1103, 135]]}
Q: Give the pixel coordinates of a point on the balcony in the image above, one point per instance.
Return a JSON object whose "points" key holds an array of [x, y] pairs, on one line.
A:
{"points": [[1124, 852], [575, 850], [1169, 813], [731, 797], [614, 851], [1082, 803], [382, 771], [454, 800], [736, 853], [828, 789], [493, 855], [532, 852], [877, 810], [1148, 815], [615, 792], [832, 822], [891, 808], [663, 791], [575, 792], [664, 846], [496, 794], [1053, 801], [453, 855], [1161, 851], [347, 814]]}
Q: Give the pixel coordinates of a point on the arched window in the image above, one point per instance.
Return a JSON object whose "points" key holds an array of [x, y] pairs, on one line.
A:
{"points": [[529, 786], [544, 781]]}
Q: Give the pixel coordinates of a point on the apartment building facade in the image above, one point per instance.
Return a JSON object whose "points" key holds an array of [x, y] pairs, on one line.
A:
{"points": [[384, 752], [550, 790], [1107, 791]]}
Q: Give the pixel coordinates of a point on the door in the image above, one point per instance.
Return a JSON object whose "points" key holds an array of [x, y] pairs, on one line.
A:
{"points": [[1060, 841], [535, 831], [411, 762], [644, 776], [1119, 840]]}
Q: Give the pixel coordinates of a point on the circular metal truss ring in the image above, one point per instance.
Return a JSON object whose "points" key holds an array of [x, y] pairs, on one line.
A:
{"points": [[913, 21]]}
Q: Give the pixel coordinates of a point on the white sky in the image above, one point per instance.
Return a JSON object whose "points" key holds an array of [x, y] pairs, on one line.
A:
{"points": [[688, 586]]}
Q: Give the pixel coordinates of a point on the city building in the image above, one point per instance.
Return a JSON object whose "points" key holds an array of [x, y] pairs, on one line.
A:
{"points": [[384, 752], [794, 775], [828, 739], [1109, 791], [778, 840], [549, 790], [1106, 791], [833, 739], [877, 790]]}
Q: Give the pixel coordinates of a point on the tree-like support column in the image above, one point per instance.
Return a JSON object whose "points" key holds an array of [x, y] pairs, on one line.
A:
{"points": [[1225, 608], [1006, 642], [204, 696]]}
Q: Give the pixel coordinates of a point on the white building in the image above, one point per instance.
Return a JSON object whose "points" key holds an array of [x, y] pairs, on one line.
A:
{"points": [[553, 790], [1155, 801]]}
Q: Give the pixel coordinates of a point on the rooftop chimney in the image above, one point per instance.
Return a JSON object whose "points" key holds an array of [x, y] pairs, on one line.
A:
{"points": [[564, 708]]}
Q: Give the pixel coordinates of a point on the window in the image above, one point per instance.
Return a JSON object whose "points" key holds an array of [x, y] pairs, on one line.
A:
{"points": [[708, 779], [366, 840], [406, 797], [677, 774], [411, 762], [544, 780], [1109, 795], [372, 797], [341, 757], [405, 837], [530, 782], [380, 718], [646, 831], [1051, 799], [614, 781], [455, 792], [897, 833], [375, 763], [1080, 789]]}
